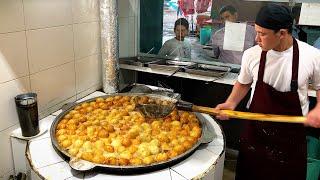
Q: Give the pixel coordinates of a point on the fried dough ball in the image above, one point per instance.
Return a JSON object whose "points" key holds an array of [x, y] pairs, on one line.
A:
{"points": [[195, 132], [148, 160], [187, 144], [66, 143], [179, 149], [123, 162], [103, 133], [78, 143], [99, 144], [87, 156], [126, 142], [126, 155], [73, 151], [172, 154], [98, 159], [111, 161], [161, 157], [136, 161], [60, 138]]}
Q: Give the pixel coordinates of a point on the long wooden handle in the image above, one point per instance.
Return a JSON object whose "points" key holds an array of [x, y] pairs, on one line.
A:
{"points": [[250, 116]]}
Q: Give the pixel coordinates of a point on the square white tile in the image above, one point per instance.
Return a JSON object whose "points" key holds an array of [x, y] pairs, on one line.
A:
{"points": [[54, 85], [42, 153], [47, 13], [13, 56], [5, 154], [8, 91], [89, 91], [18, 152], [88, 72], [57, 171], [163, 174], [176, 176], [85, 11], [86, 39], [132, 37], [49, 47], [196, 164], [11, 16], [124, 35]]}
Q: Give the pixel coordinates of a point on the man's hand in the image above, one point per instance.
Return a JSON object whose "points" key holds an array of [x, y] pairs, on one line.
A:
{"points": [[313, 117], [226, 105]]}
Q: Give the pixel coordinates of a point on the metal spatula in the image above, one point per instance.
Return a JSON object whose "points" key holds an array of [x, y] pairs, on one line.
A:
{"points": [[158, 111]]}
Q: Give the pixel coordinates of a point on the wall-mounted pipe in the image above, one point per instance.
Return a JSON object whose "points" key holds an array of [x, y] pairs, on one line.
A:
{"points": [[109, 45]]}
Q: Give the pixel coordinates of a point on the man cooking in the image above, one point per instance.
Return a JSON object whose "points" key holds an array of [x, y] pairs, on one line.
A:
{"points": [[279, 69]]}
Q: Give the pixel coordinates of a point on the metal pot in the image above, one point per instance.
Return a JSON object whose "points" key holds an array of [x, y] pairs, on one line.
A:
{"points": [[82, 165]]}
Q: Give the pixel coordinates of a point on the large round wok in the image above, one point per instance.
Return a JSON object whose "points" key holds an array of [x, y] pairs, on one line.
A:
{"points": [[206, 137]]}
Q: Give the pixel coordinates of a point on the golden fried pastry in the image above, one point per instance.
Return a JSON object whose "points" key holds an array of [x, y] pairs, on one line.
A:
{"points": [[110, 131]]}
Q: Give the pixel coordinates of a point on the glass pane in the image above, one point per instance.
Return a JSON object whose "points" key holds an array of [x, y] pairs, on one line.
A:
{"points": [[195, 30]]}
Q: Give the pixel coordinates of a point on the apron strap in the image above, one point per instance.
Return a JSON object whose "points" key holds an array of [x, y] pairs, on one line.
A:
{"points": [[295, 66], [262, 65]]}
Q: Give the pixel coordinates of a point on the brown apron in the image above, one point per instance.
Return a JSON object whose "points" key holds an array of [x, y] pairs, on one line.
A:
{"points": [[270, 150]]}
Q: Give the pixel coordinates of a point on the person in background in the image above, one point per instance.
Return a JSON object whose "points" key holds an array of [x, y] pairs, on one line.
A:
{"points": [[178, 47], [229, 13], [279, 69]]}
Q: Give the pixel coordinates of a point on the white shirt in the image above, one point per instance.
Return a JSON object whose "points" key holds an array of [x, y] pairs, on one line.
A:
{"points": [[278, 70], [176, 48]]}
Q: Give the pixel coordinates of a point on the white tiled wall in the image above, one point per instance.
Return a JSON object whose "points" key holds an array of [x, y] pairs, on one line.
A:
{"points": [[128, 27], [52, 47]]}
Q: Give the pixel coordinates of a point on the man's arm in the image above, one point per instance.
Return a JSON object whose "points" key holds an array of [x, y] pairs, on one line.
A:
{"points": [[239, 91], [313, 117]]}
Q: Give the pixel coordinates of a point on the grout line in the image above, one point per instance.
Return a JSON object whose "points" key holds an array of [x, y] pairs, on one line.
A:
{"points": [[61, 25], [74, 56], [11, 32], [81, 58], [26, 38], [13, 79], [51, 67], [8, 127], [177, 172], [47, 27], [50, 165], [12, 157]]}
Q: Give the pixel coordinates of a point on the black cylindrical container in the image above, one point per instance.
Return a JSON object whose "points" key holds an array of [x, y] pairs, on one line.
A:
{"points": [[27, 109]]}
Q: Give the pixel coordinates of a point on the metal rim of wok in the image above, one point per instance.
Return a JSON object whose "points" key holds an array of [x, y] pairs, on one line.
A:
{"points": [[207, 135]]}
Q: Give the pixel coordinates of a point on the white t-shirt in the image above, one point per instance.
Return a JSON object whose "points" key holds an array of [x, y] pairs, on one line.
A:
{"points": [[278, 70], [176, 48]]}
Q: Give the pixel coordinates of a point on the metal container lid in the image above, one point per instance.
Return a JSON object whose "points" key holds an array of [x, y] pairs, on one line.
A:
{"points": [[26, 98]]}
